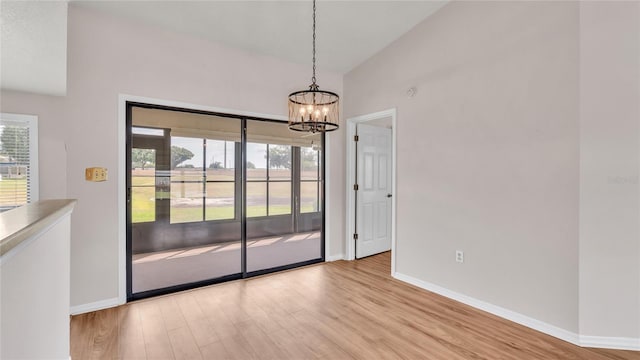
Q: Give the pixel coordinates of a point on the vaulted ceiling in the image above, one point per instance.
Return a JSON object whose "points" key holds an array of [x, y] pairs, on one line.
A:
{"points": [[348, 32]]}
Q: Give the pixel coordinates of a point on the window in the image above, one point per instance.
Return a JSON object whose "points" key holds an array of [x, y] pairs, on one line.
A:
{"points": [[202, 179], [309, 180], [268, 179], [18, 160]]}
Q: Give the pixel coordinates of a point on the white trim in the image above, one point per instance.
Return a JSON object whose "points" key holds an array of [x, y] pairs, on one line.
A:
{"points": [[350, 174], [32, 123], [616, 343], [33, 158], [493, 309], [122, 198], [122, 138], [190, 106], [95, 306], [327, 200], [334, 257], [562, 334]]}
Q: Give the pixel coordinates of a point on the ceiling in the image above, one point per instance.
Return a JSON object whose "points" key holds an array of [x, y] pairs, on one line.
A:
{"points": [[33, 46], [348, 32]]}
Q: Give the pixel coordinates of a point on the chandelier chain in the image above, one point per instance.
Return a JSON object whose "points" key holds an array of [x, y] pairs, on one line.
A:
{"points": [[313, 78]]}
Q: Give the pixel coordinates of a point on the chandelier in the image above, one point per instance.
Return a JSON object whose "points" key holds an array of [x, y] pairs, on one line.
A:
{"points": [[313, 110]]}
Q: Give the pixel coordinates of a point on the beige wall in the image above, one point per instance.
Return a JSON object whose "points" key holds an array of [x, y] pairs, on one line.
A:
{"points": [[609, 169], [521, 148], [488, 152], [108, 57]]}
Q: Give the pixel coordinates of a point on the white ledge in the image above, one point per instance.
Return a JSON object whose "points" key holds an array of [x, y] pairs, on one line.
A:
{"points": [[27, 222]]}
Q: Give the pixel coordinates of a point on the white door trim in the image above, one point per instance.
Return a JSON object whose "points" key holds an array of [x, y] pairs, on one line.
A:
{"points": [[122, 141], [350, 198]]}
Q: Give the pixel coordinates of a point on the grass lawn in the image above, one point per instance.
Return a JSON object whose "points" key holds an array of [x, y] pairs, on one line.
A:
{"points": [[143, 200]]}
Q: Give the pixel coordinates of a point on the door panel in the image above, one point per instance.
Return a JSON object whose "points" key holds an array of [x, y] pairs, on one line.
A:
{"points": [[196, 233], [373, 201], [278, 233]]}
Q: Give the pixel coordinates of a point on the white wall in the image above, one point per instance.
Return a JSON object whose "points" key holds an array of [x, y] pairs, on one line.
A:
{"points": [[108, 57], [609, 169], [488, 152]]}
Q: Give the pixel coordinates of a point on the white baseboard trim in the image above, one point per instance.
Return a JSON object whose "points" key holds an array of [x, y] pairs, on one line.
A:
{"points": [[94, 306], [334, 257], [617, 343], [493, 309], [562, 334]]}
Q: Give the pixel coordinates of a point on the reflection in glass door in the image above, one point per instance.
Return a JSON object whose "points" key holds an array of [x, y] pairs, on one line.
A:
{"points": [[193, 232], [284, 217], [213, 198]]}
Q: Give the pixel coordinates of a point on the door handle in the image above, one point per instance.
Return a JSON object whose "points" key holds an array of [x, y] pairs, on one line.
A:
{"points": [[389, 195]]}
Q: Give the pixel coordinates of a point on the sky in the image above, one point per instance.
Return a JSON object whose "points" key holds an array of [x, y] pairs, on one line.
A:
{"points": [[215, 152]]}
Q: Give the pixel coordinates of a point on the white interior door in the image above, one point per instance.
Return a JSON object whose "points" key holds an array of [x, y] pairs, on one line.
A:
{"points": [[373, 200]]}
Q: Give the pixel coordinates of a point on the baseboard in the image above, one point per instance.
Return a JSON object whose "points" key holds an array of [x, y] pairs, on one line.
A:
{"points": [[94, 306], [495, 310], [617, 343], [334, 257]]}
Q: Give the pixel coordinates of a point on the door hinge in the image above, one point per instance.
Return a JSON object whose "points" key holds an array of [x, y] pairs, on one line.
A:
{"points": [[356, 138], [355, 236], [355, 187]]}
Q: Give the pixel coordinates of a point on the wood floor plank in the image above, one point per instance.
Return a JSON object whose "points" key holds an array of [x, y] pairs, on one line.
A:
{"points": [[215, 350], [130, 336], [338, 310], [156, 338], [183, 344]]}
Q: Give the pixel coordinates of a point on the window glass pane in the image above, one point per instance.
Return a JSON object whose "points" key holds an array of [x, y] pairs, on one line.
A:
{"points": [[256, 161], [220, 201], [279, 162], [143, 177], [309, 196], [309, 167], [147, 131], [220, 156], [186, 202], [256, 199], [279, 198], [14, 164], [143, 204], [187, 188]]}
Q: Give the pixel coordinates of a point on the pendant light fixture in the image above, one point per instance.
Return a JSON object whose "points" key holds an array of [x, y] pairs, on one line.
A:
{"points": [[313, 110]]}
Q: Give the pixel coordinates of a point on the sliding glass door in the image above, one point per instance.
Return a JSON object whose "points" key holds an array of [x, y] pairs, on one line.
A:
{"points": [[214, 197], [284, 216]]}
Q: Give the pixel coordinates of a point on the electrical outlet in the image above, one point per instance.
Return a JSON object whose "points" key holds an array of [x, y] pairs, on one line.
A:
{"points": [[459, 256], [95, 174]]}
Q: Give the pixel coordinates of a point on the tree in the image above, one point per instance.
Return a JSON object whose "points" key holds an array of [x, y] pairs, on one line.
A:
{"points": [[15, 143], [279, 156], [309, 159], [143, 158], [216, 165], [179, 155], [250, 165]]}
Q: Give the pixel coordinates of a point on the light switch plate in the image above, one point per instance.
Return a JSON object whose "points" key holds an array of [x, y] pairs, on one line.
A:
{"points": [[95, 174]]}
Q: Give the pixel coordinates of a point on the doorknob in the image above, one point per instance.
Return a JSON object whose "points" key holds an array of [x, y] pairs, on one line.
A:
{"points": [[389, 195]]}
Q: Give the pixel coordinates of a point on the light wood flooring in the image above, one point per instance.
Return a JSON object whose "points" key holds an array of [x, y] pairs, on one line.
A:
{"points": [[338, 310]]}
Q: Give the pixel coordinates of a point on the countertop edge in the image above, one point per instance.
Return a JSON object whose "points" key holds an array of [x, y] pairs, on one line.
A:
{"points": [[47, 213]]}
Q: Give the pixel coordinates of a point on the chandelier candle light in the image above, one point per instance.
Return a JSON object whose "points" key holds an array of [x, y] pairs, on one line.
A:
{"points": [[313, 110]]}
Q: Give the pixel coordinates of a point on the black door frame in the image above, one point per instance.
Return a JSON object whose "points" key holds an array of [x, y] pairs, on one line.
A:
{"points": [[243, 185]]}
